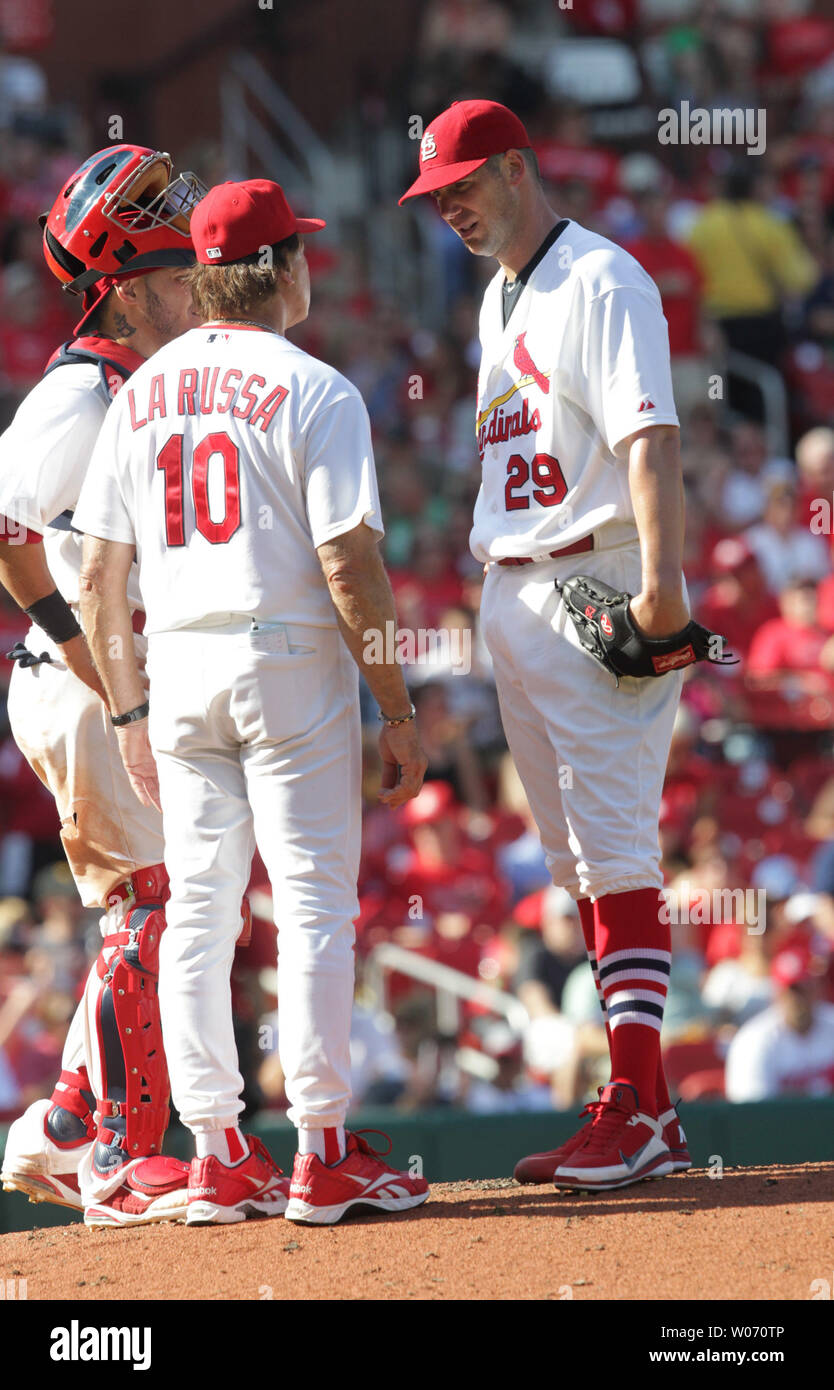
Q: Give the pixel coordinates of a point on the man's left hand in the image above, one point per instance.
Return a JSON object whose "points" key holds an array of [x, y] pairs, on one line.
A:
{"points": [[139, 763]]}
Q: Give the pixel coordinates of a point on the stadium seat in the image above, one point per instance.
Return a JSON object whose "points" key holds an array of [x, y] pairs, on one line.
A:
{"points": [[684, 1060], [703, 1085]]}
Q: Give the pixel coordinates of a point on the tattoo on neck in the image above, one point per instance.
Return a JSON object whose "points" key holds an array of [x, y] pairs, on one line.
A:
{"points": [[123, 328]]}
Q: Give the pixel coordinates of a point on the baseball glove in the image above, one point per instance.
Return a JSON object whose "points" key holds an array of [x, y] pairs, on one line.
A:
{"points": [[606, 629]]}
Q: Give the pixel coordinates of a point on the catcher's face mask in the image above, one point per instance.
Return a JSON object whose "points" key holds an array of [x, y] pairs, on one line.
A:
{"points": [[122, 210]]}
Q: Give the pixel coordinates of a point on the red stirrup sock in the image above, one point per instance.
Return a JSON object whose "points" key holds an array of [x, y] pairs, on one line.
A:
{"points": [[229, 1145], [587, 919], [633, 949], [661, 1088], [326, 1144]]}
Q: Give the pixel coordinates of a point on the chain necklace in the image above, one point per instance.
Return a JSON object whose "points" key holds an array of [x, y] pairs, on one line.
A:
{"points": [[243, 323]]}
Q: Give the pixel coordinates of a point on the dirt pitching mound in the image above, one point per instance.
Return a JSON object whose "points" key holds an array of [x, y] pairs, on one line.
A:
{"points": [[760, 1233]]}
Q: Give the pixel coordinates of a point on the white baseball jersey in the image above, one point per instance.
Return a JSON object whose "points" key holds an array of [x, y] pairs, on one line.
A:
{"points": [[44, 455], [582, 364], [767, 1058], [226, 460]]}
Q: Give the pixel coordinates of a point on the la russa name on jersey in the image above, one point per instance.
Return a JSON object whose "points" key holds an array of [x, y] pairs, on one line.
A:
{"points": [[203, 391]]}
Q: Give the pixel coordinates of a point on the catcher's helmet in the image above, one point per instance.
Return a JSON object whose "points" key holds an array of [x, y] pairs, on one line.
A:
{"points": [[121, 212]]}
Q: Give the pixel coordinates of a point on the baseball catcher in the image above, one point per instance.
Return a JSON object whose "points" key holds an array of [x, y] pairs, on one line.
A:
{"points": [[118, 236], [606, 629]]}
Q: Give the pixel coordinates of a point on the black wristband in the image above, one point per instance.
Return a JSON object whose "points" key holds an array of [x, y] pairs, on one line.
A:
{"points": [[132, 717], [54, 615]]}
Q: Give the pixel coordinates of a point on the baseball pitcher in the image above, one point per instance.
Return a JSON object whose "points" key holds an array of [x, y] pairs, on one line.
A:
{"points": [[579, 522]]}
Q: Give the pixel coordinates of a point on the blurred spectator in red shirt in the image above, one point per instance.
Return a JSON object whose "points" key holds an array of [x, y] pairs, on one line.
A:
{"points": [[785, 548], [571, 155], [430, 584], [738, 603], [825, 603], [445, 871], [795, 641], [676, 273]]}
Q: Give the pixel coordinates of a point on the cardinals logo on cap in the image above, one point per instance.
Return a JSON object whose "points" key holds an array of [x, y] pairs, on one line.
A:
{"points": [[428, 147]]}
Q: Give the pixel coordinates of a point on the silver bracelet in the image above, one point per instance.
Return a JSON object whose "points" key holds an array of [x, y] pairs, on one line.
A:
{"points": [[393, 723]]}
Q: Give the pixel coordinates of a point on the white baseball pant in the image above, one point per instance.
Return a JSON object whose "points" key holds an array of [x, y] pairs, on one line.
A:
{"points": [[257, 738], [592, 757]]}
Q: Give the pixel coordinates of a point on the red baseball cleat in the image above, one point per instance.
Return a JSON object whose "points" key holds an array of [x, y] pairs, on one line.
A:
{"points": [[541, 1167], [675, 1141], [219, 1195], [149, 1190], [623, 1145], [320, 1194]]}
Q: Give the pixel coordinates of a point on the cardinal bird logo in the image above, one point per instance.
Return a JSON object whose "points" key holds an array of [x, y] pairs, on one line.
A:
{"points": [[525, 364]]}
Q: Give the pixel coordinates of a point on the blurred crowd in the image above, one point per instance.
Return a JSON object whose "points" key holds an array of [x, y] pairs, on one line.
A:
{"points": [[742, 249]]}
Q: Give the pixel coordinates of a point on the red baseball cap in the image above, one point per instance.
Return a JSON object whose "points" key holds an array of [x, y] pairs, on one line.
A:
{"points": [[795, 965], [236, 220], [461, 139]]}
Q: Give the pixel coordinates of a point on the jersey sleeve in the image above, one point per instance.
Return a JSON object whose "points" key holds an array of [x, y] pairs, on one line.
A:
{"points": [[45, 452], [623, 372], [339, 472], [104, 508]]}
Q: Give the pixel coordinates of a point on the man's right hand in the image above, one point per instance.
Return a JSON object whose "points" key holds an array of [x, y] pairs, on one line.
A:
{"points": [[79, 660], [403, 763]]}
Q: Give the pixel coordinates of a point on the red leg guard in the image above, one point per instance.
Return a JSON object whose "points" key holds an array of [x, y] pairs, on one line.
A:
{"points": [[71, 1122], [133, 1111]]}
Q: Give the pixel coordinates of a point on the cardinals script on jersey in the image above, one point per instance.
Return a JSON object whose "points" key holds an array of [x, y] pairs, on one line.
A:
{"points": [[560, 386]]}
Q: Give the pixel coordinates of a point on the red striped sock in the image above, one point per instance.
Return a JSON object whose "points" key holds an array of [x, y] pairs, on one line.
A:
{"points": [[587, 919], [633, 950]]}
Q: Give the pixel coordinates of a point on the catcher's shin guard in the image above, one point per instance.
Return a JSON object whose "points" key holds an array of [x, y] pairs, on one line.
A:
{"points": [[132, 1108], [70, 1120]]}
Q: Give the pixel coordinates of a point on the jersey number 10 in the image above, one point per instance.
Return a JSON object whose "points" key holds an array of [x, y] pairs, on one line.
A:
{"points": [[170, 460]]}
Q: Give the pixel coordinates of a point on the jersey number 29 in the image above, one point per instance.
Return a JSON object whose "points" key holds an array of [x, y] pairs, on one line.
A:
{"points": [[170, 460], [549, 487]]}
